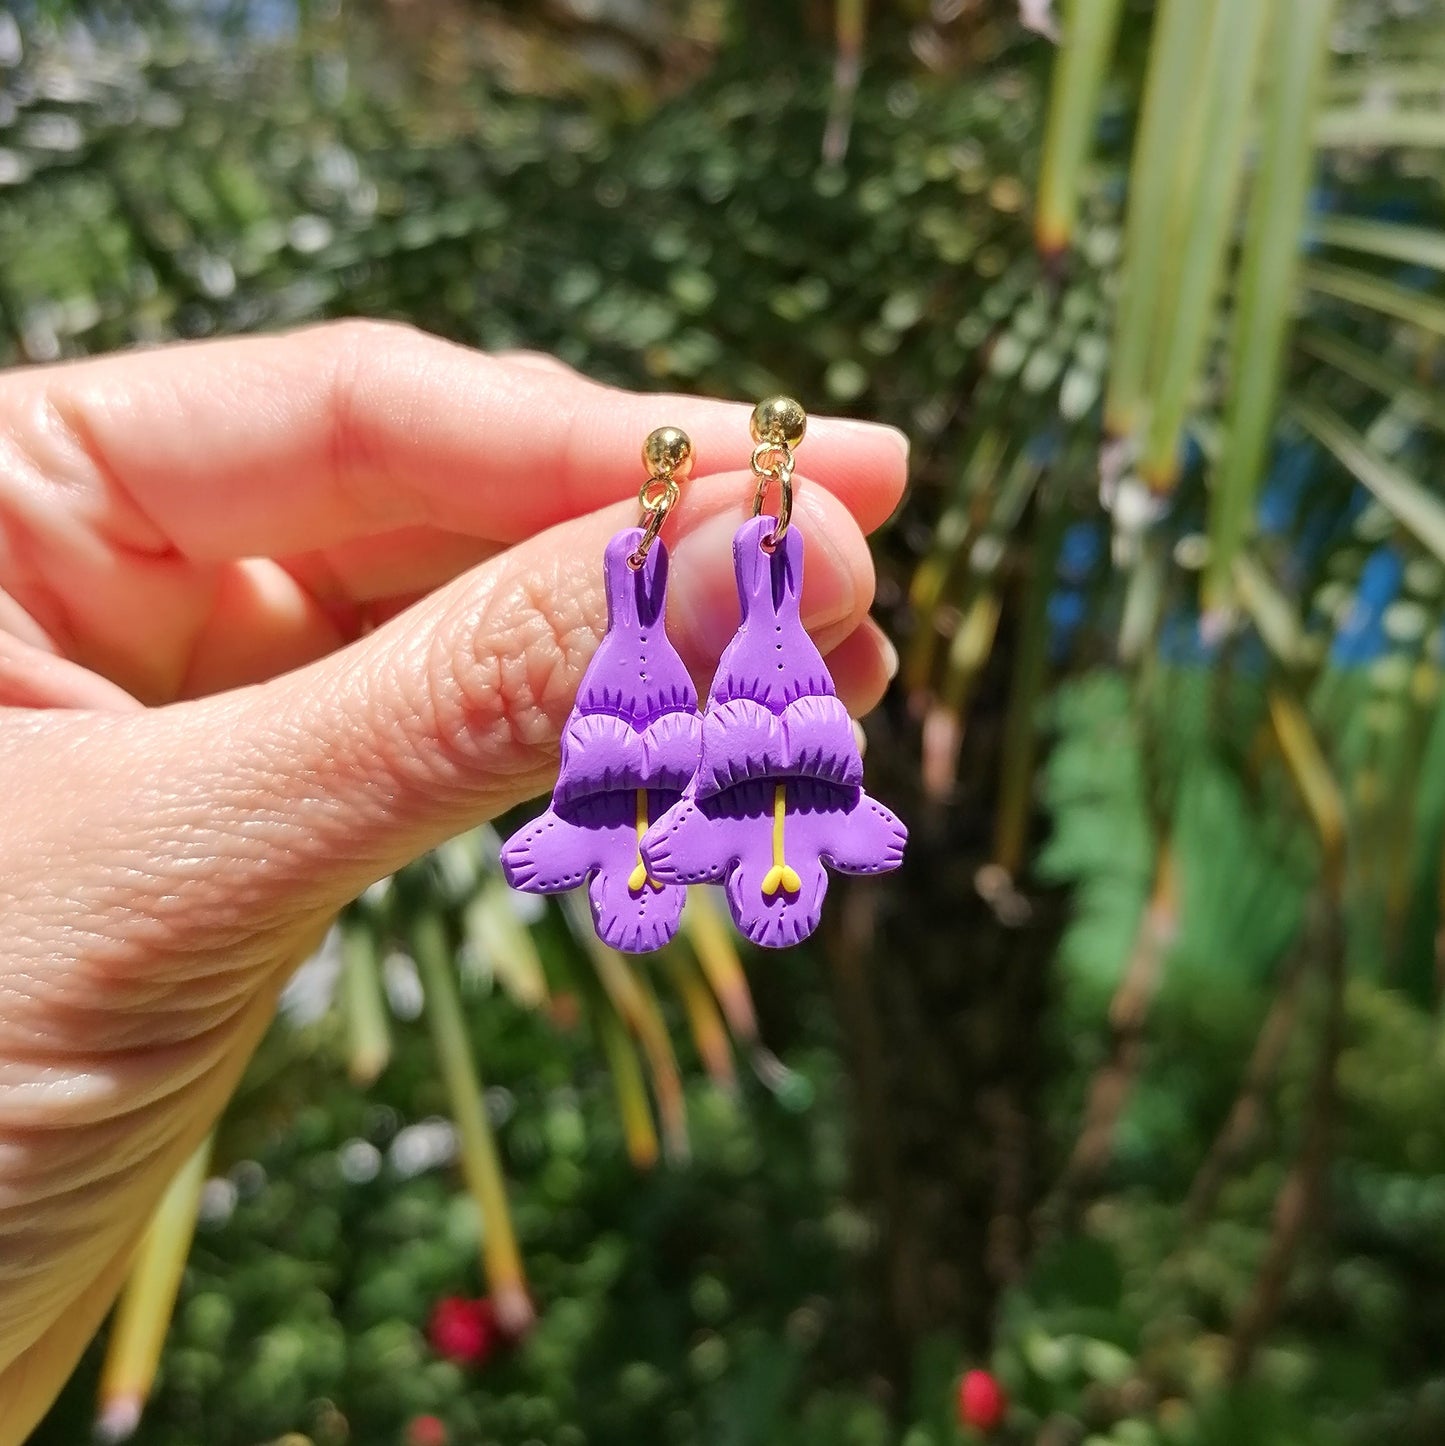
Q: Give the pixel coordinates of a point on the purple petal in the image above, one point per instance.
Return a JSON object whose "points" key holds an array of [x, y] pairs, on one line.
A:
{"points": [[551, 854], [670, 747], [734, 836], [856, 835], [628, 750], [811, 738], [780, 918], [570, 842], [634, 920], [602, 753], [684, 847]]}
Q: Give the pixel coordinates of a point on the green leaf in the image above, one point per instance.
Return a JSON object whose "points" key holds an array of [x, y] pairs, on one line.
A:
{"points": [[1238, 905], [1368, 128], [1090, 28], [1425, 77], [1262, 315], [143, 1313], [1418, 245], [1361, 288], [1274, 615], [1173, 102], [368, 1020], [1235, 46], [1416, 507], [480, 1159], [1418, 945], [1366, 367]]}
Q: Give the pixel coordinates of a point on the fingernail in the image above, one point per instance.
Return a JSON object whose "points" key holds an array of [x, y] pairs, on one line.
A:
{"points": [[829, 593], [860, 738], [877, 429], [900, 440], [890, 656]]}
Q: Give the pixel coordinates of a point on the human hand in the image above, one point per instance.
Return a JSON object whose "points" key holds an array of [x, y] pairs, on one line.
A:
{"points": [[276, 615]]}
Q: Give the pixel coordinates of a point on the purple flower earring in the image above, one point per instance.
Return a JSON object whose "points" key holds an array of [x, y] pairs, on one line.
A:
{"points": [[778, 792], [631, 742]]}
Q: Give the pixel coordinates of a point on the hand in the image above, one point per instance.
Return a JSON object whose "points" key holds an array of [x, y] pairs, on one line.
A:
{"points": [[277, 615]]}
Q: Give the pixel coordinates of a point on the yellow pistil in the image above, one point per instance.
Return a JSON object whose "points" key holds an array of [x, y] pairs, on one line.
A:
{"points": [[780, 876], [639, 878]]}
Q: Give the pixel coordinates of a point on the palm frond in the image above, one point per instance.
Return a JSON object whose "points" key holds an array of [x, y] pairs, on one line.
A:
{"points": [[1408, 500], [1261, 324]]}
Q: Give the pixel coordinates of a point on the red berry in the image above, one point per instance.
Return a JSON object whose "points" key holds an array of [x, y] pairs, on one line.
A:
{"points": [[426, 1431], [982, 1402], [464, 1331]]}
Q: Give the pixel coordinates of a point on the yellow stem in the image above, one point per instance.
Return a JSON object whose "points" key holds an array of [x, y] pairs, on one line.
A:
{"points": [[480, 1159], [708, 1030], [639, 878], [712, 941], [143, 1315], [780, 876], [368, 1019], [627, 1080]]}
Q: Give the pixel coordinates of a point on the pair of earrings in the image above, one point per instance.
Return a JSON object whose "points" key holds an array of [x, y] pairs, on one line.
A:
{"points": [[758, 792]]}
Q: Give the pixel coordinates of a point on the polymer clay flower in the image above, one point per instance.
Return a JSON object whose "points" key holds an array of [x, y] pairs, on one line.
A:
{"points": [[777, 797], [628, 750]]}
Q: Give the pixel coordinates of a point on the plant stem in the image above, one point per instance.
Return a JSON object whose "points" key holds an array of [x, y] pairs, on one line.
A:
{"points": [[1090, 28], [1234, 52], [1030, 670], [851, 17], [710, 935], [368, 1021], [1300, 1197], [1262, 314], [1242, 1123], [1128, 1014], [481, 1164], [1169, 99], [144, 1313]]}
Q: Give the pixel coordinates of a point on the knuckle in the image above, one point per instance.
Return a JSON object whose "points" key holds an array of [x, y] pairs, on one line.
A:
{"points": [[354, 334], [505, 667], [359, 352], [362, 361], [537, 361]]}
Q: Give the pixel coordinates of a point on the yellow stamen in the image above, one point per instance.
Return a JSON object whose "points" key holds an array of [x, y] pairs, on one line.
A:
{"points": [[780, 876], [639, 879]]}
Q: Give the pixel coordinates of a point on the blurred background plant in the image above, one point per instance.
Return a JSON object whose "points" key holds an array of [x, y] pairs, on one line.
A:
{"points": [[1123, 1096]]}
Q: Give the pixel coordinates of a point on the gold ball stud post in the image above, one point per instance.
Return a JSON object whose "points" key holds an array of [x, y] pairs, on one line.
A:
{"points": [[780, 421], [667, 452]]}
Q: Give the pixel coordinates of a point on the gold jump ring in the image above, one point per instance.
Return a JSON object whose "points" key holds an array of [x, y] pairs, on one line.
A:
{"points": [[773, 462], [667, 455]]}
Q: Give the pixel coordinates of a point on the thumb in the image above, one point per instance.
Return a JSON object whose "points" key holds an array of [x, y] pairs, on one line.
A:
{"points": [[312, 785]]}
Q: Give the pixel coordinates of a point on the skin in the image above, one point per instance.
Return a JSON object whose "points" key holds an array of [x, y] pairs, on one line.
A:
{"points": [[277, 615]]}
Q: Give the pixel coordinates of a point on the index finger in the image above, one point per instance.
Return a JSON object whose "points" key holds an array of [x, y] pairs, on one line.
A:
{"points": [[264, 446]]}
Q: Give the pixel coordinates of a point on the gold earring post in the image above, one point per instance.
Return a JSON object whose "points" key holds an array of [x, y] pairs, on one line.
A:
{"points": [[778, 425], [667, 455]]}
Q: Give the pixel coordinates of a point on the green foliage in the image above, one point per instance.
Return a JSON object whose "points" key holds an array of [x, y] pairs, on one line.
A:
{"points": [[1102, 843], [320, 1257]]}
